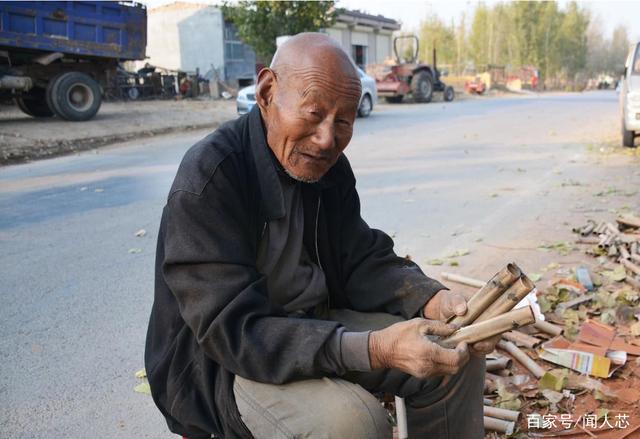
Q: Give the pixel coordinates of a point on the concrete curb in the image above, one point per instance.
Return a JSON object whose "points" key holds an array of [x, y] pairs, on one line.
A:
{"points": [[56, 148]]}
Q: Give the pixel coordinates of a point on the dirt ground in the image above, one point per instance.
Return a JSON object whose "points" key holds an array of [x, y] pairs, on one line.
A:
{"points": [[23, 138]]}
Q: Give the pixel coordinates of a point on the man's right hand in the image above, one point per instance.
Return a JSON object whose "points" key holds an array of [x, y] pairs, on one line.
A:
{"points": [[405, 346]]}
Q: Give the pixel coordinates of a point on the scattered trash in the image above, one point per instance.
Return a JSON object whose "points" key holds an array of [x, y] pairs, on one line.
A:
{"points": [[135, 250], [141, 233]]}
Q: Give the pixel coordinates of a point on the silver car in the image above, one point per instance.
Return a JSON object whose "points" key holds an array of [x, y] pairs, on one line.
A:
{"points": [[630, 97], [247, 96]]}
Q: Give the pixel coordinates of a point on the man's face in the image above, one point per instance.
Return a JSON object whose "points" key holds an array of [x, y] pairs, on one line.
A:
{"points": [[310, 120]]}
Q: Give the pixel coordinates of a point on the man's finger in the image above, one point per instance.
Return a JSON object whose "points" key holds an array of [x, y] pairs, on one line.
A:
{"points": [[452, 357], [455, 304], [435, 327]]}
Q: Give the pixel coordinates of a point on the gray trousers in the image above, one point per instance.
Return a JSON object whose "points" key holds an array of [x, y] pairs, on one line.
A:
{"points": [[337, 408]]}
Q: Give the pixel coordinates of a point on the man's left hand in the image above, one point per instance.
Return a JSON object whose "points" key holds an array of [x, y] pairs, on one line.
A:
{"points": [[446, 304]]}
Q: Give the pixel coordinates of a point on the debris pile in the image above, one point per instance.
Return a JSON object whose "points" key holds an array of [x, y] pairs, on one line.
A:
{"points": [[576, 370]]}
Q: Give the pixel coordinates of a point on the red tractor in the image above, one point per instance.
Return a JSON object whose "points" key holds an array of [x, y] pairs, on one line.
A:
{"points": [[411, 77]]}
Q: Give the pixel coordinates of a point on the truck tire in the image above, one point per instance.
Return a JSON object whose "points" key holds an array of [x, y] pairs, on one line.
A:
{"points": [[34, 103], [422, 87], [627, 138], [74, 96]]}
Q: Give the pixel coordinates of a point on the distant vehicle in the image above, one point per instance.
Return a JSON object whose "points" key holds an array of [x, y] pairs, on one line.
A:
{"points": [[475, 86], [411, 77], [630, 97], [57, 57], [247, 96]]}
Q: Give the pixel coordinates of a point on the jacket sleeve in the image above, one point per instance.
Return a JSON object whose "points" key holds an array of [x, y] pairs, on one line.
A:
{"points": [[209, 265], [374, 277]]}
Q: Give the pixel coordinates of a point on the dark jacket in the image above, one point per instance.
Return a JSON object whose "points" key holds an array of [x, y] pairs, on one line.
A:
{"points": [[211, 317]]}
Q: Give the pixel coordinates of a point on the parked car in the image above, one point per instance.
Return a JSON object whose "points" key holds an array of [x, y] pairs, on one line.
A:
{"points": [[630, 97], [247, 96]]}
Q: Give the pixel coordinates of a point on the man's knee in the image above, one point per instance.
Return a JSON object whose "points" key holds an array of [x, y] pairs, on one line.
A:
{"points": [[325, 408]]}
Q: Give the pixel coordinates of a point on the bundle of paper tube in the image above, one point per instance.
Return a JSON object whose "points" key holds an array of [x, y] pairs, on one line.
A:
{"points": [[490, 311]]}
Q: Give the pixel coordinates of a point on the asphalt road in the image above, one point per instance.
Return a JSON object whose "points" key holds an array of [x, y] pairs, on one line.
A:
{"points": [[77, 284]]}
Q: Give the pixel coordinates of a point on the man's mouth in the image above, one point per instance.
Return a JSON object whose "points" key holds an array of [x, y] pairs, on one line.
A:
{"points": [[316, 157]]}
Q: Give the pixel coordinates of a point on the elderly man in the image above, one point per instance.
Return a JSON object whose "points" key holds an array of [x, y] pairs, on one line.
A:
{"points": [[278, 311]]}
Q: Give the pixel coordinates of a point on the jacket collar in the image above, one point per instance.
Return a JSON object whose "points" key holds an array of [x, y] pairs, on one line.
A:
{"points": [[267, 166]]}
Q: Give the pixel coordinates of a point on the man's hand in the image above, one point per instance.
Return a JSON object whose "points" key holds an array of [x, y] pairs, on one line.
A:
{"points": [[405, 346], [446, 304]]}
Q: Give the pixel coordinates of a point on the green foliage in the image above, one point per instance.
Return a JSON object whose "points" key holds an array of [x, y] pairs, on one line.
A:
{"points": [[258, 23], [561, 41]]}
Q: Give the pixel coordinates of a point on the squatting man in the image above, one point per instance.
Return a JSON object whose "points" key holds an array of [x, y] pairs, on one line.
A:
{"points": [[278, 311]]}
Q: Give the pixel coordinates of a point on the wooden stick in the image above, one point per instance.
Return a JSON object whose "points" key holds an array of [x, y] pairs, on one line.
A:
{"points": [[498, 413], [499, 425], [521, 339], [501, 363], [588, 240], [521, 357], [631, 266], [488, 294], [508, 300], [548, 328], [494, 326], [576, 301], [462, 280]]}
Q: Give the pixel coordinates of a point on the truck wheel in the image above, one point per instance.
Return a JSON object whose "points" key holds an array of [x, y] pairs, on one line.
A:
{"points": [[34, 103], [74, 96], [422, 87], [627, 137], [394, 99], [448, 94]]}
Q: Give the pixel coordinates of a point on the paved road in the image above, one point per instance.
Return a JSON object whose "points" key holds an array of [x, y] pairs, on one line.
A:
{"points": [[75, 301]]}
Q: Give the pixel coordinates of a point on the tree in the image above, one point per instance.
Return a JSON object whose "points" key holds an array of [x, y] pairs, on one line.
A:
{"points": [[435, 34], [258, 23], [618, 50]]}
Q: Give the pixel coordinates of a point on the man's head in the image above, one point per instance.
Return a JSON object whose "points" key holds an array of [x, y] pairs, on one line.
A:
{"points": [[308, 99]]}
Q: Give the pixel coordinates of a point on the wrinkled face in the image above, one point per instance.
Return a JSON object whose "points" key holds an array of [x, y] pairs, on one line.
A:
{"points": [[309, 120]]}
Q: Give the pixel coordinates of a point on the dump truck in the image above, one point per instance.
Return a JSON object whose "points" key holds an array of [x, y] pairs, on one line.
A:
{"points": [[57, 58]]}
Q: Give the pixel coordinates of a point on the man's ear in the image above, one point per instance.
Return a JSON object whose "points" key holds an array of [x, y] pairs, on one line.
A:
{"points": [[265, 88]]}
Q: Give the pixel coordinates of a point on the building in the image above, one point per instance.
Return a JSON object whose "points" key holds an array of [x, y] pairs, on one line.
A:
{"points": [[366, 38], [189, 37]]}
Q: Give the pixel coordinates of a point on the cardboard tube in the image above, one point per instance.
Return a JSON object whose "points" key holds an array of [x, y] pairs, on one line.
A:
{"points": [[501, 363], [494, 326], [630, 266], [498, 413], [548, 328], [522, 358], [499, 425], [521, 339], [508, 300], [488, 294]]}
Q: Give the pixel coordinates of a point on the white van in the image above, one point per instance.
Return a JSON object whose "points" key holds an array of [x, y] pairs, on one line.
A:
{"points": [[630, 97]]}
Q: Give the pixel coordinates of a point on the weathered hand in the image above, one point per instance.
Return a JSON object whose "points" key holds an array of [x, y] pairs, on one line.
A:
{"points": [[405, 346], [484, 347], [444, 305]]}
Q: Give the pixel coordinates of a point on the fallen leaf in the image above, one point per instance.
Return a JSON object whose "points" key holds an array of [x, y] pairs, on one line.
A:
{"points": [[143, 388], [135, 250], [535, 277], [460, 252], [140, 233], [435, 262], [98, 190], [142, 373], [453, 263], [618, 274]]}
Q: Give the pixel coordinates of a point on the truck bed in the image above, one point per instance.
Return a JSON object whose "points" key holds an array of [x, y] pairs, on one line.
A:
{"points": [[96, 29]]}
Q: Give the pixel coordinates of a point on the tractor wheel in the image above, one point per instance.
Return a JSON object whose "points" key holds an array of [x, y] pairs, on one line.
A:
{"points": [[34, 103], [74, 96], [448, 94], [422, 87], [366, 105], [394, 99]]}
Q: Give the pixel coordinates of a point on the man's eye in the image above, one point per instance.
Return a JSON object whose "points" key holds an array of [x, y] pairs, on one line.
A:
{"points": [[344, 122]]}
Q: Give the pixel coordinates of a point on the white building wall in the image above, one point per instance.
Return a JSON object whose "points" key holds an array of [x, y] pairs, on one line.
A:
{"points": [[383, 47], [184, 36]]}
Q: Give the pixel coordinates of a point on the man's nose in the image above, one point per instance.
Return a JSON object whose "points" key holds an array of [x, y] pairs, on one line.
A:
{"points": [[324, 136]]}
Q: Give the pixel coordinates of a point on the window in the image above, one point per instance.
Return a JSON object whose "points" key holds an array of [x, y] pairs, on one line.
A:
{"points": [[359, 54]]}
